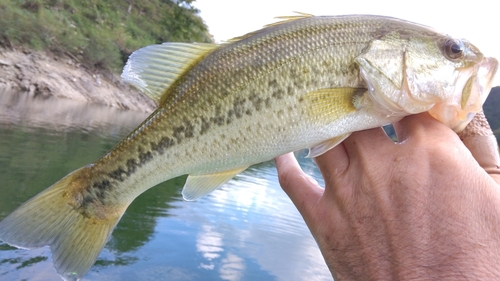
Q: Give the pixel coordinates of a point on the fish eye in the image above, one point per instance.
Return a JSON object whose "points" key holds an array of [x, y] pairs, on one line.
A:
{"points": [[453, 49]]}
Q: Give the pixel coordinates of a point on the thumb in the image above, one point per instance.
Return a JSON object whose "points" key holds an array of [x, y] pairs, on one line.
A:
{"points": [[481, 142]]}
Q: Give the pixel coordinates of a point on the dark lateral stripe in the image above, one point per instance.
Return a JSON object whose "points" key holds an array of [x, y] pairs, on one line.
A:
{"points": [[132, 164]]}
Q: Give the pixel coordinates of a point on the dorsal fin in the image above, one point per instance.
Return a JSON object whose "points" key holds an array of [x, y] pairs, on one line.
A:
{"points": [[285, 19], [282, 20], [154, 68]]}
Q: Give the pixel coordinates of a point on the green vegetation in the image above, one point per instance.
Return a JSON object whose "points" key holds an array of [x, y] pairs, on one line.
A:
{"points": [[101, 34]]}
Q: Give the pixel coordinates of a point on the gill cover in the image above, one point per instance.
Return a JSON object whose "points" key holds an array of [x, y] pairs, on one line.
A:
{"points": [[391, 67]]}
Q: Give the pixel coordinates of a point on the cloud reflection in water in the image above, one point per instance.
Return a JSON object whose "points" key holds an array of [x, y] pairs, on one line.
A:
{"points": [[258, 222]]}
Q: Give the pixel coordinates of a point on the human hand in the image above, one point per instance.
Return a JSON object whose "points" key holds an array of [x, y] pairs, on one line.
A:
{"points": [[481, 142], [422, 208]]}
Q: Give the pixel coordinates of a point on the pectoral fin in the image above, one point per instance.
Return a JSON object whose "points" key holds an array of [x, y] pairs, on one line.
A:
{"points": [[331, 104], [323, 147], [200, 185]]}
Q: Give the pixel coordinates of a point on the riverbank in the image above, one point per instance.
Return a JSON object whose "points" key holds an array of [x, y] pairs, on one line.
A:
{"points": [[43, 75]]}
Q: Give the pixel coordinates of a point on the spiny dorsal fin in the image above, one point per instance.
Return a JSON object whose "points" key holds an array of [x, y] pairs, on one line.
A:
{"points": [[154, 68], [282, 20], [285, 19]]}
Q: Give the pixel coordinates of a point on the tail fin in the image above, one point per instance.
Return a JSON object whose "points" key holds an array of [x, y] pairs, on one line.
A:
{"points": [[50, 218]]}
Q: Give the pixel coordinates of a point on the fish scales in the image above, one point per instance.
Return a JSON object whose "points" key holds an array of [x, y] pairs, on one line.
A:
{"points": [[304, 82], [265, 74]]}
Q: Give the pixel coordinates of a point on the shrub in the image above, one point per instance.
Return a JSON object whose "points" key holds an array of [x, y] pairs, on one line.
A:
{"points": [[102, 34]]}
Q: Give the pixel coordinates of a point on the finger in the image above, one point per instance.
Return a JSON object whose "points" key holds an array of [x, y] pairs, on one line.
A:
{"points": [[333, 163], [416, 125], [482, 144], [364, 145], [301, 188], [485, 150], [339, 164]]}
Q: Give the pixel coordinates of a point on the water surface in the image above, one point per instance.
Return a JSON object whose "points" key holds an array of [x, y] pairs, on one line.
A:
{"points": [[246, 230]]}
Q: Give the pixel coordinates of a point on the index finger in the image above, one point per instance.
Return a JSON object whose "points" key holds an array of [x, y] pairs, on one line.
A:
{"points": [[303, 190]]}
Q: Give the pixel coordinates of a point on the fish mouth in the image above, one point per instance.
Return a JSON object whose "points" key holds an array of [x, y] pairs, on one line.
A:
{"points": [[475, 92], [472, 88], [486, 73]]}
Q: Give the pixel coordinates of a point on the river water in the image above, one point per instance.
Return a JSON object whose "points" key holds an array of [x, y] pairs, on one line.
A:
{"points": [[246, 230]]}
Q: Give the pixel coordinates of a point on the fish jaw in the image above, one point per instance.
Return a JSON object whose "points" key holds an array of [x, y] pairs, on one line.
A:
{"points": [[409, 73], [470, 94]]}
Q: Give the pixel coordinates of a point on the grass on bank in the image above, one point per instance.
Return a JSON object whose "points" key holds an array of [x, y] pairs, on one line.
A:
{"points": [[101, 34]]}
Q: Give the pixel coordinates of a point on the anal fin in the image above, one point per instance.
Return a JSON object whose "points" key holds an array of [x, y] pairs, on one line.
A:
{"points": [[200, 185]]}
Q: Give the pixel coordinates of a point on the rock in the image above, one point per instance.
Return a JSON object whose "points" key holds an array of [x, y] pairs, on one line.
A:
{"points": [[41, 75]]}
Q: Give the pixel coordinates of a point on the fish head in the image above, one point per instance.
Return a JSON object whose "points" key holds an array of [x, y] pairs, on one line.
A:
{"points": [[472, 85], [413, 69]]}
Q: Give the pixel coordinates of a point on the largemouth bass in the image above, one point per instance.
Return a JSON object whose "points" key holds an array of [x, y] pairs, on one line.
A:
{"points": [[305, 82]]}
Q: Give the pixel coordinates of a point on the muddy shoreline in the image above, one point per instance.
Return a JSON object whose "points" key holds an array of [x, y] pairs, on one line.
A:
{"points": [[44, 75]]}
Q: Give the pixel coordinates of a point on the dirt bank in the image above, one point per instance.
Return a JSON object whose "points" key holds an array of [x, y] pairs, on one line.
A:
{"points": [[41, 74]]}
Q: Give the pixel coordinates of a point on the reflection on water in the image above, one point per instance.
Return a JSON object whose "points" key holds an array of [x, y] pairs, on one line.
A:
{"points": [[246, 230], [66, 115]]}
